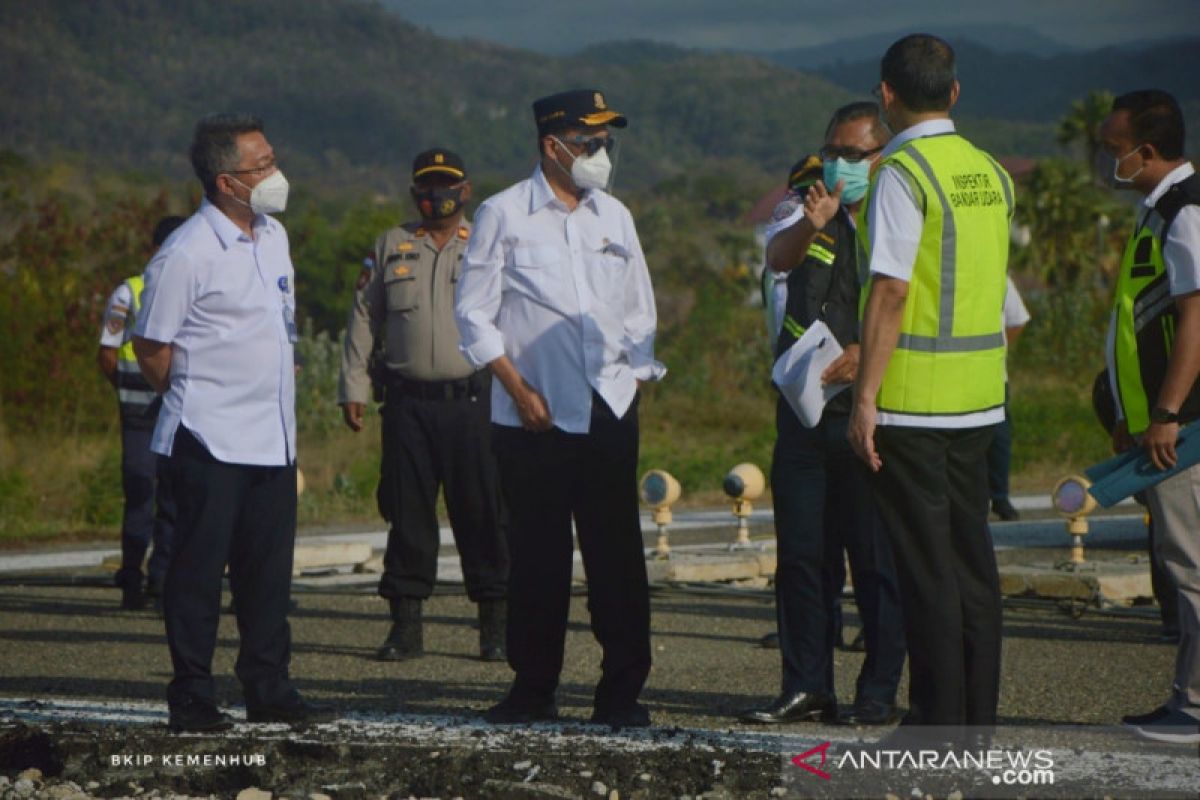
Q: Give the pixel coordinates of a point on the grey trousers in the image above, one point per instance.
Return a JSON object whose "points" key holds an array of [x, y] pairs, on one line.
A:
{"points": [[1175, 505]]}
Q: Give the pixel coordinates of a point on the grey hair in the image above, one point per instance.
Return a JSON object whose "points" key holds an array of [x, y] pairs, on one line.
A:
{"points": [[214, 145]]}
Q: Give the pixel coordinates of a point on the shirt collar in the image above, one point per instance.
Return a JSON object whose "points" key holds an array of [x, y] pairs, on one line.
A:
{"points": [[227, 232], [930, 127], [542, 195], [1184, 170]]}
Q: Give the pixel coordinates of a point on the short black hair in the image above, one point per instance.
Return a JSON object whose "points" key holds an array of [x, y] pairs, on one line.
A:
{"points": [[165, 227], [861, 110], [214, 145], [1155, 118], [920, 70]]}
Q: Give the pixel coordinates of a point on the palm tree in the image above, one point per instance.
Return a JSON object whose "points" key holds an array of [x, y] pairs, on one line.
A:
{"points": [[1082, 124]]}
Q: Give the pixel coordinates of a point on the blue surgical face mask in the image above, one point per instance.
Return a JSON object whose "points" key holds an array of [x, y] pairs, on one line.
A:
{"points": [[857, 178]]}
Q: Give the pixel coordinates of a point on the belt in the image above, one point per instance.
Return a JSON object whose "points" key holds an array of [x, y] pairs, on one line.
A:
{"points": [[471, 386]]}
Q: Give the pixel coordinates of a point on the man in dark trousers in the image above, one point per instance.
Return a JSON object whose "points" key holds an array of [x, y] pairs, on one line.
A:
{"points": [[216, 337], [930, 386], [822, 494], [436, 412], [555, 299], [149, 513]]}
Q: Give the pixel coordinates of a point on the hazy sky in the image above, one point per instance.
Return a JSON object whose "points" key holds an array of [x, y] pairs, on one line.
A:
{"points": [[567, 25]]}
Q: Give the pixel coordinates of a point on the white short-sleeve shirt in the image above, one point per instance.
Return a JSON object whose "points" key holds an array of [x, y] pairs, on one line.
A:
{"points": [[226, 304]]}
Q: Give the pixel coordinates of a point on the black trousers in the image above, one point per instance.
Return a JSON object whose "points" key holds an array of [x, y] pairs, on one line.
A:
{"points": [[933, 495], [999, 455], [823, 505], [243, 516], [446, 443], [549, 479], [149, 511]]}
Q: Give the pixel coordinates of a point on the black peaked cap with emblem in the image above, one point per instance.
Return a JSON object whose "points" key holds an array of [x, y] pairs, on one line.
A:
{"points": [[439, 160], [805, 172], [578, 108]]}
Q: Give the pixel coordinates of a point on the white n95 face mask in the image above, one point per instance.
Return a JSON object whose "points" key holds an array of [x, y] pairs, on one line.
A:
{"points": [[592, 172], [270, 196]]}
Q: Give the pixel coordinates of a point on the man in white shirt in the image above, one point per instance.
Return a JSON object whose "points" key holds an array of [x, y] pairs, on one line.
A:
{"points": [[216, 336], [1153, 354], [999, 455], [555, 298]]}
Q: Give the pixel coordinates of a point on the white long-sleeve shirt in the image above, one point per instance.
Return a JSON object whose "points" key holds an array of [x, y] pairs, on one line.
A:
{"points": [[565, 294]]}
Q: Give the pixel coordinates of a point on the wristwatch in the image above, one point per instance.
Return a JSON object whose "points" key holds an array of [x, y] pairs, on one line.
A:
{"points": [[1162, 415]]}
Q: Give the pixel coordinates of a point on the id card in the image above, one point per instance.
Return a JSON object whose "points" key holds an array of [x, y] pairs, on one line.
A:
{"points": [[289, 324]]}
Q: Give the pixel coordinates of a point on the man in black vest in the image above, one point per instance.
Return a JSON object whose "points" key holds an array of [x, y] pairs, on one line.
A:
{"points": [[822, 498], [1153, 353]]}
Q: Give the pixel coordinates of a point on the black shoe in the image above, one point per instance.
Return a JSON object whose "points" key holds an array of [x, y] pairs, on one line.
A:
{"points": [[796, 707], [1135, 720], [872, 712], [198, 716], [769, 641], [1168, 637], [406, 638], [511, 712], [132, 597], [296, 711], [493, 615], [633, 716], [1002, 507]]}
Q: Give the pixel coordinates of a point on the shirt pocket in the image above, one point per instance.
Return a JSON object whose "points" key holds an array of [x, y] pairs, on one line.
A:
{"points": [[607, 272], [535, 270], [402, 290]]}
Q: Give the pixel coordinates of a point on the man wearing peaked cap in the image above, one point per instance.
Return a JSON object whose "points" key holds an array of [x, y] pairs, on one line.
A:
{"points": [[436, 412], [555, 299]]}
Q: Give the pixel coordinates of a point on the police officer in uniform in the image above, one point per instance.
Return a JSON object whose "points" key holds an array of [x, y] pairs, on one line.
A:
{"points": [[930, 387], [822, 494], [436, 412], [149, 507]]}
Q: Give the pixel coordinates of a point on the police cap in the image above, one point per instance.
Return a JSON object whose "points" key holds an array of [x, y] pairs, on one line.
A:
{"points": [[578, 108], [805, 172], [441, 161]]}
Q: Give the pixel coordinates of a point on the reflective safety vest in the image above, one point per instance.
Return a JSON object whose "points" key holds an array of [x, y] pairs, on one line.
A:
{"points": [[133, 391], [949, 361], [1144, 313]]}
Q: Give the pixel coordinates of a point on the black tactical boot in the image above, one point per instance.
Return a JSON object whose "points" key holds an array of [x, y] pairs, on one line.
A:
{"points": [[405, 640], [493, 616]]}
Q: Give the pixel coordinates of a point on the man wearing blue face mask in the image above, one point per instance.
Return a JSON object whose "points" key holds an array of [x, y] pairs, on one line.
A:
{"points": [[822, 497]]}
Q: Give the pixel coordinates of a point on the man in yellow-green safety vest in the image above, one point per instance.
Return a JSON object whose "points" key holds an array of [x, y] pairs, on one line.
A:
{"points": [[930, 387], [140, 483], [1153, 353]]}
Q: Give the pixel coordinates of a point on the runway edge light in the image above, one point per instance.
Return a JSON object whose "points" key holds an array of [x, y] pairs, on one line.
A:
{"points": [[1072, 500], [659, 490], [743, 484]]}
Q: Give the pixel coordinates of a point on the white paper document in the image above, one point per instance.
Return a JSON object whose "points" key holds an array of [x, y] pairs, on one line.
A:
{"points": [[797, 373]]}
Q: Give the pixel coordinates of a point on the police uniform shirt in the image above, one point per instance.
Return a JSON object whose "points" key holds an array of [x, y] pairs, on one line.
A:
{"points": [[226, 303], [409, 290], [116, 330], [1181, 256], [565, 294]]}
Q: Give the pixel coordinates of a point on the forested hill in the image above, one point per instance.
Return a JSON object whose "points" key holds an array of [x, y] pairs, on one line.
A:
{"points": [[350, 91]]}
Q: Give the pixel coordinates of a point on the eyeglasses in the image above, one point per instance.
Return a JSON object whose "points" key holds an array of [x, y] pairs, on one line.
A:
{"points": [[851, 154], [591, 144], [263, 168]]}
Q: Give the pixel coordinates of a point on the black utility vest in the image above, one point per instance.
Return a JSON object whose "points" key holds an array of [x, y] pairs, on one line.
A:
{"points": [[825, 286]]}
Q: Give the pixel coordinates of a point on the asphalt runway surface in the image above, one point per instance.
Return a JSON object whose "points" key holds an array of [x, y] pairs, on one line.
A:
{"points": [[82, 698]]}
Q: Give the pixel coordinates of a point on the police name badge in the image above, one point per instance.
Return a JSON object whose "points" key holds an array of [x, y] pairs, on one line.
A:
{"points": [[289, 324]]}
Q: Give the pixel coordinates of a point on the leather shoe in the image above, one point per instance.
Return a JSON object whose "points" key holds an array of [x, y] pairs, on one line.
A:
{"points": [[198, 716], [511, 711], [1149, 718], [769, 641], [795, 707], [632, 716], [296, 711], [872, 712]]}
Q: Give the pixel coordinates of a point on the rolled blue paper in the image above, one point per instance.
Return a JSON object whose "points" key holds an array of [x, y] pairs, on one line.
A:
{"points": [[1131, 472]]}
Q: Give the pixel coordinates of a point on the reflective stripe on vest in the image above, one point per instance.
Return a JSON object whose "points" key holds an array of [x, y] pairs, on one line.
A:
{"points": [[949, 359], [133, 391]]}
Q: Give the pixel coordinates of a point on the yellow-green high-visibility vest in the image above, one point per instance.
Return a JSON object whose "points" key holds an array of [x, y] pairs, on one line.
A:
{"points": [[133, 391], [1144, 313], [949, 360]]}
